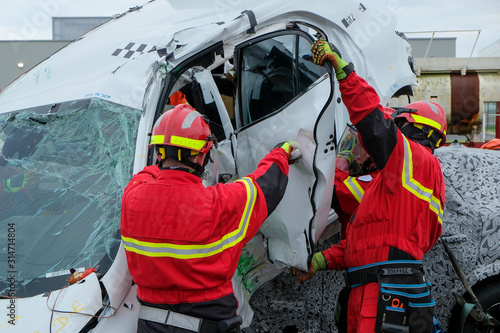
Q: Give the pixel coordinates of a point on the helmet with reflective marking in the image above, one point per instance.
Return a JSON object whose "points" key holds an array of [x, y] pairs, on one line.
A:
{"points": [[185, 128], [428, 116]]}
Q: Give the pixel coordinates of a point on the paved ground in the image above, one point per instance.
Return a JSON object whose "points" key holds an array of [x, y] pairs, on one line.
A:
{"points": [[286, 305]]}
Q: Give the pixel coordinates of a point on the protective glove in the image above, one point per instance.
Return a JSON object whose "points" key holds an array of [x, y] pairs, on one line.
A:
{"points": [[318, 263], [286, 146], [293, 153], [322, 50], [21, 181]]}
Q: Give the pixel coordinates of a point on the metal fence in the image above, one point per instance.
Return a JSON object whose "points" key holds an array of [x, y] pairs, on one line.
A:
{"points": [[489, 129]]}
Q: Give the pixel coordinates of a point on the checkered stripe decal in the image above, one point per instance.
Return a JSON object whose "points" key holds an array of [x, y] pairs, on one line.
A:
{"points": [[132, 48]]}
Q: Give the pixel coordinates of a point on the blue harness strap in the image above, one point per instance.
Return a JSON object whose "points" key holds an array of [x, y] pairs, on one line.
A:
{"points": [[357, 276]]}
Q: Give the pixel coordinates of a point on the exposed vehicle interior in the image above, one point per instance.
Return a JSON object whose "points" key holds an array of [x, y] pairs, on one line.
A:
{"points": [[268, 72]]}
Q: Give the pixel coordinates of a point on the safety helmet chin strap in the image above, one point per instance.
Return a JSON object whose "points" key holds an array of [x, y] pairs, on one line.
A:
{"points": [[183, 156], [421, 134]]}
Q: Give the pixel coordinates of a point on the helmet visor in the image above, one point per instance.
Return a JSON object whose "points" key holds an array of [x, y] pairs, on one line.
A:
{"points": [[350, 155]]}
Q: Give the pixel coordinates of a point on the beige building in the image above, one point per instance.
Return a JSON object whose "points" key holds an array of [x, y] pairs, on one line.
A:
{"points": [[468, 89]]}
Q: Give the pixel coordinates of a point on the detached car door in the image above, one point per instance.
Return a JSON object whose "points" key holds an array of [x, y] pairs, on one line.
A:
{"points": [[283, 96]]}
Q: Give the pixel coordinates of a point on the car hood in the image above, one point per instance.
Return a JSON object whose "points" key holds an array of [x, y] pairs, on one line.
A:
{"points": [[117, 60]]}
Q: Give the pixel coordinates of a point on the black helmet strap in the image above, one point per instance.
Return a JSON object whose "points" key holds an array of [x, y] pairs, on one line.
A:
{"points": [[421, 135], [182, 155]]}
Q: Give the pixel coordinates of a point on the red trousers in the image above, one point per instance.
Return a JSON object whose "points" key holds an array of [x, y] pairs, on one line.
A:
{"points": [[362, 309]]}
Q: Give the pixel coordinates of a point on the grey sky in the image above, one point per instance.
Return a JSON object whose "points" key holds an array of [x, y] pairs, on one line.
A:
{"points": [[430, 15], [31, 19]]}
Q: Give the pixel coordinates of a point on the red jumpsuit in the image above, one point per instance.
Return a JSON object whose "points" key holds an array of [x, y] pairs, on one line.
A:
{"points": [[401, 210], [183, 240]]}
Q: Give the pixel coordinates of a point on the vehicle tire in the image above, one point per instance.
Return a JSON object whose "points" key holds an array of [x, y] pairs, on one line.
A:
{"points": [[489, 298]]}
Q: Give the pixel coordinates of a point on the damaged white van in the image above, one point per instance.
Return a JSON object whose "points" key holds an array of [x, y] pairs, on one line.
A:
{"points": [[75, 128]]}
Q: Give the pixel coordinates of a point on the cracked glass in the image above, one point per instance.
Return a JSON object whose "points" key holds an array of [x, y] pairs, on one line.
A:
{"points": [[63, 169]]}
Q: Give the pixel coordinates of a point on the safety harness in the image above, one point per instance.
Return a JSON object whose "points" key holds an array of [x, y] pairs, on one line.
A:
{"points": [[357, 276], [404, 301], [190, 323]]}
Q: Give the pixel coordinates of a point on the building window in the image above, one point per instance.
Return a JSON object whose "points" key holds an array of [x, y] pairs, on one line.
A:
{"points": [[491, 120], [491, 107]]}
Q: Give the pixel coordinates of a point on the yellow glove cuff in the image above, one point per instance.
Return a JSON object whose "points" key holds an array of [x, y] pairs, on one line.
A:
{"points": [[319, 262]]}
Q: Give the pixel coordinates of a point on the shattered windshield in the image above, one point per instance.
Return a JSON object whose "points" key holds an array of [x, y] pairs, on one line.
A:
{"points": [[62, 172]]}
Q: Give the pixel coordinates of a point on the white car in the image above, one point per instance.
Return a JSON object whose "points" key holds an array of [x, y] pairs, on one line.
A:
{"points": [[74, 129]]}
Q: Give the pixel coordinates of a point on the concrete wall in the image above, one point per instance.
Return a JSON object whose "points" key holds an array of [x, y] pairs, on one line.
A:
{"points": [[490, 87], [433, 77], [435, 88], [28, 52], [439, 47]]}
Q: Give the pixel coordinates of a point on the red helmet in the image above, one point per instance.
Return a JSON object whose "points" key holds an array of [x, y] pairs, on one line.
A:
{"points": [[183, 127], [428, 114]]}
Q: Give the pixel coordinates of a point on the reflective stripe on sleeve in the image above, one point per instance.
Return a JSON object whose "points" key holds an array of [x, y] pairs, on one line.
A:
{"points": [[415, 187], [354, 187], [191, 251]]}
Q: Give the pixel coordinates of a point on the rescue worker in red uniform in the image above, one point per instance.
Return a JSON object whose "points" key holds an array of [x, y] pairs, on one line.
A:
{"points": [[400, 216], [354, 171], [183, 240]]}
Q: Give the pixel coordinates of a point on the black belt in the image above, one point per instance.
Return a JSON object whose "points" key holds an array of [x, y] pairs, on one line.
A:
{"points": [[190, 323], [360, 275]]}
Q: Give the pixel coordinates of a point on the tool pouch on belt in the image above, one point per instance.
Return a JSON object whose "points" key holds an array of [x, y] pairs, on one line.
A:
{"points": [[405, 303]]}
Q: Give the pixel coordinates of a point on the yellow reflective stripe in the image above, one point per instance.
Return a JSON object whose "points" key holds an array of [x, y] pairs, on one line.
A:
{"points": [[426, 121], [165, 249], [157, 139], [354, 187], [180, 251], [414, 187], [187, 143]]}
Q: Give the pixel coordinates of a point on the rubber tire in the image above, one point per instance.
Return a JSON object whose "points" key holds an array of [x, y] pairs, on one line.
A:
{"points": [[489, 298]]}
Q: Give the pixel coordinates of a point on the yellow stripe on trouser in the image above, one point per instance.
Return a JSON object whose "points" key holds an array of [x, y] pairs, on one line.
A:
{"points": [[415, 187], [151, 249]]}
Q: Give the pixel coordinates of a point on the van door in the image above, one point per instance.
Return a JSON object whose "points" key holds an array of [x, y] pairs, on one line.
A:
{"points": [[283, 96]]}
